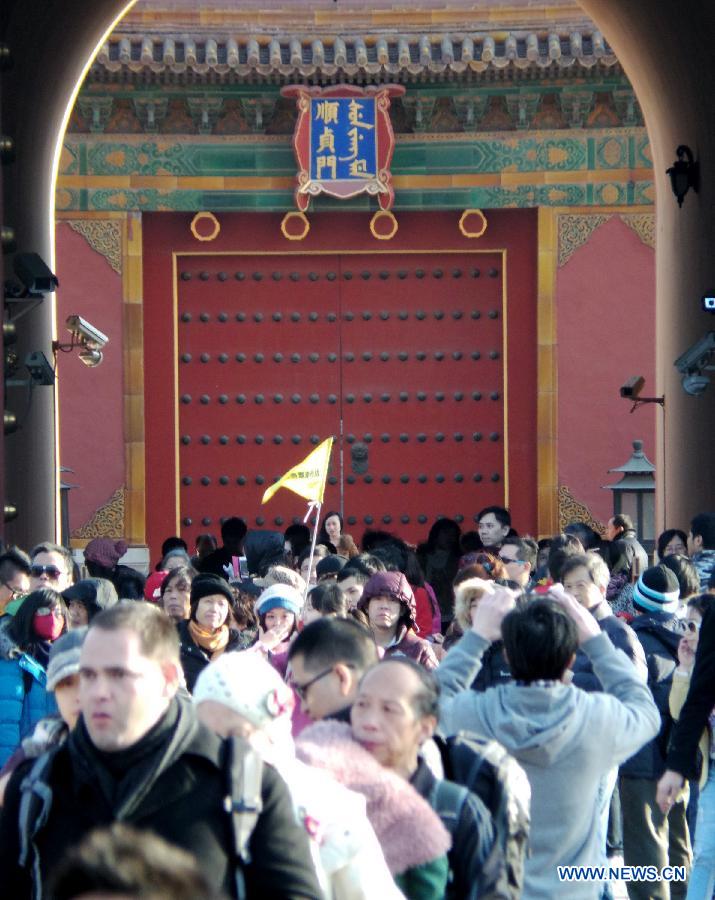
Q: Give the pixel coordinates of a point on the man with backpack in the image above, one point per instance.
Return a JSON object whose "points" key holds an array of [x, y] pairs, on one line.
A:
{"points": [[651, 838], [138, 755], [565, 739], [394, 714]]}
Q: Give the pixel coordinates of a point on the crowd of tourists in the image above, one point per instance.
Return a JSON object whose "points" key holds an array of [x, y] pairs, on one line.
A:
{"points": [[482, 715]]}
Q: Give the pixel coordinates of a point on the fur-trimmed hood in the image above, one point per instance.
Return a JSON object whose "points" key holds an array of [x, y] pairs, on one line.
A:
{"points": [[464, 593], [409, 831]]}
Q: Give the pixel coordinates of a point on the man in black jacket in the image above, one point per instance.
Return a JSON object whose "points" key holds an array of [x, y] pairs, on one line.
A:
{"points": [[650, 838], [586, 577], [138, 755]]}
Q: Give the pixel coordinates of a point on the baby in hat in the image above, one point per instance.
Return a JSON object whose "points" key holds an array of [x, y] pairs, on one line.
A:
{"points": [[241, 695]]}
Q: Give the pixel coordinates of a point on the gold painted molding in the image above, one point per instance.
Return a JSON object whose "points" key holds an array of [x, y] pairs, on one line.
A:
{"points": [[104, 236], [572, 510], [574, 232], [643, 224], [107, 521]]}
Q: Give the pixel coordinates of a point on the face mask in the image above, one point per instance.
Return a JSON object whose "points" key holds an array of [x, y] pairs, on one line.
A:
{"points": [[47, 627]]}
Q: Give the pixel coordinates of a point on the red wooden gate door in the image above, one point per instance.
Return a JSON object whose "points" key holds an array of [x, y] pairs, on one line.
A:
{"points": [[259, 380], [399, 356], [422, 388]]}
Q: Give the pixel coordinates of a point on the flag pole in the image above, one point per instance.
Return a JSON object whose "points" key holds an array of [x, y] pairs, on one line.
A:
{"points": [[317, 506]]}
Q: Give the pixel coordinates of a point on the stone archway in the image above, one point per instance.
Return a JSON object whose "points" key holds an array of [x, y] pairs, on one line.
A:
{"points": [[667, 57]]}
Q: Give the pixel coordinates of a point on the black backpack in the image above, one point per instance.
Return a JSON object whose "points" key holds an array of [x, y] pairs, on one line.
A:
{"points": [[486, 769], [243, 769]]}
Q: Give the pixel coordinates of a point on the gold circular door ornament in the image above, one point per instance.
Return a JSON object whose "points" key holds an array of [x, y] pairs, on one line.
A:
{"points": [[383, 225], [295, 226], [205, 226], [473, 223]]}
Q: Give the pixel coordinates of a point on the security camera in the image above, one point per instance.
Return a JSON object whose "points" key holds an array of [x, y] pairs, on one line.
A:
{"points": [[86, 334], [695, 384], [633, 386], [34, 273], [708, 304], [91, 358], [698, 357], [41, 372]]}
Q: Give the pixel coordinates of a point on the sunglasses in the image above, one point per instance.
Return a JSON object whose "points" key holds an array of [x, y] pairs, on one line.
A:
{"points": [[51, 571], [16, 592]]}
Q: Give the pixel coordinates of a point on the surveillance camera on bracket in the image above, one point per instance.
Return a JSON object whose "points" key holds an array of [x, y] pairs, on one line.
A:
{"points": [[85, 333], [631, 390], [633, 386], [35, 274], [699, 357]]}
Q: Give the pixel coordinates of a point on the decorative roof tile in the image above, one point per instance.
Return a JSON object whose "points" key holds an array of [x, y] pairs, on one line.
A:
{"points": [[355, 57]]}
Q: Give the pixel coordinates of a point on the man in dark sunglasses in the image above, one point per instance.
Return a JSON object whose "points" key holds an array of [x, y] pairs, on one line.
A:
{"points": [[51, 567]]}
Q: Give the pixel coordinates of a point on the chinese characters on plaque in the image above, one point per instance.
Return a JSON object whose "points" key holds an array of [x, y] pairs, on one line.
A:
{"points": [[343, 142]]}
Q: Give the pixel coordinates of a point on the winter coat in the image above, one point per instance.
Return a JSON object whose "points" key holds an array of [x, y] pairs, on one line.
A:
{"points": [[193, 658], [408, 644], [565, 739], [472, 838], [215, 563], [624, 552], [659, 635], [24, 700], [347, 855], [700, 700], [621, 636], [678, 693], [262, 550], [178, 792], [427, 615], [409, 832], [704, 562]]}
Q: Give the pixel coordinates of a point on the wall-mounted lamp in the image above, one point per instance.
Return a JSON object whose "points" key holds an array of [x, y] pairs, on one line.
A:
{"points": [[84, 335], [684, 173]]}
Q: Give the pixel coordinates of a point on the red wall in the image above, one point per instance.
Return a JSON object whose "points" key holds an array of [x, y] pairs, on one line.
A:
{"points": [[167, 233], [90, 400], [605, 299]]}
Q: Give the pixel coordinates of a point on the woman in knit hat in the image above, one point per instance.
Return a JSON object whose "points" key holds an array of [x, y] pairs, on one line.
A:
{"points": [[205, 635], [390, 606], [278, 608], [88, 597], [241, 695], [102, 556]]}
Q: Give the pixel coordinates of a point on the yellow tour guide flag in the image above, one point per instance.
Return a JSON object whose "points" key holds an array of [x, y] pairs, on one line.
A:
{"points": [[308, 477]]}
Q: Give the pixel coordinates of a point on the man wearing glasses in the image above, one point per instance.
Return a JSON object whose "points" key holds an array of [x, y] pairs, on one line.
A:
{"points": [[14, 576], [51, 567], [327, 661], [519, 557]]}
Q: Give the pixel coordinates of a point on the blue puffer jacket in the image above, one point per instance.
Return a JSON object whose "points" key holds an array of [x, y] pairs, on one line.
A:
{"points": [[23, 697]]}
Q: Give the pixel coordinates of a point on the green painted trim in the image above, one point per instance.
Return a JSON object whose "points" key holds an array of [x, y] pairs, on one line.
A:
{"points": [[620, 156], [611, 193]]}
